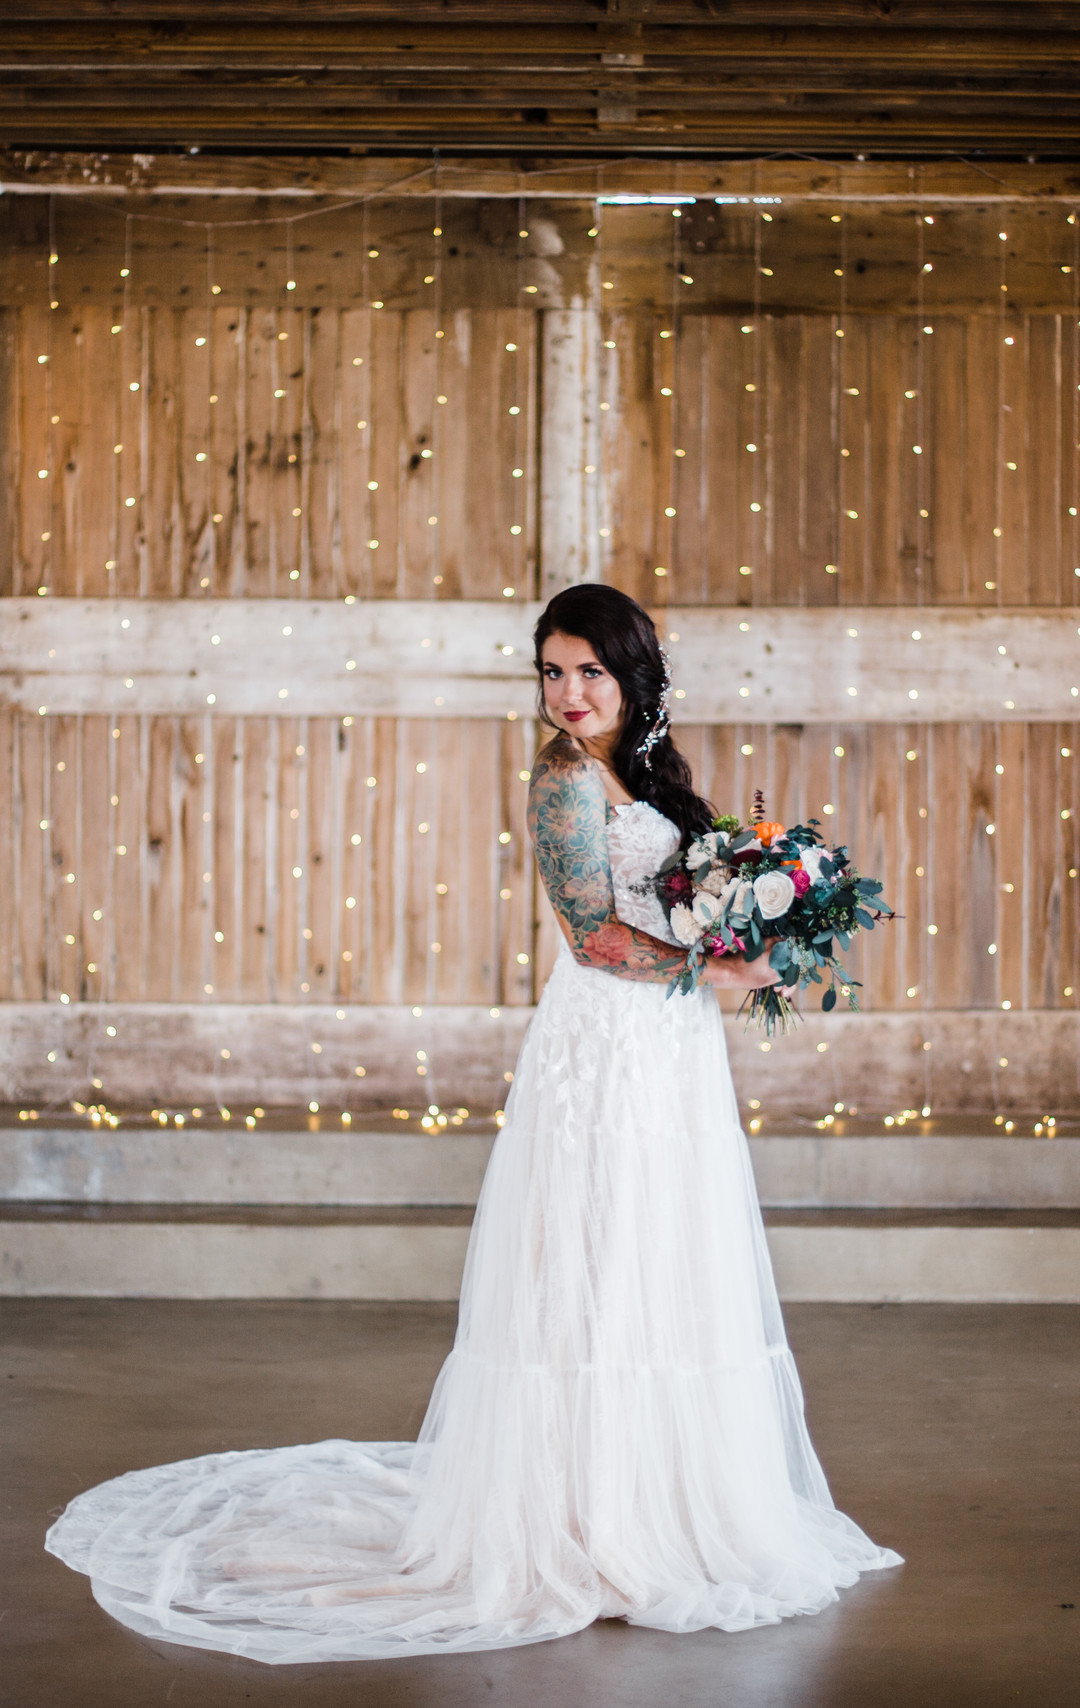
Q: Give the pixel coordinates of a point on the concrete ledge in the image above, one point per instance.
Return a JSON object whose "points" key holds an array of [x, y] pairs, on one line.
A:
{"points": [[142, 1165], [988, 1265], [167, 1260], [423, 1261]]}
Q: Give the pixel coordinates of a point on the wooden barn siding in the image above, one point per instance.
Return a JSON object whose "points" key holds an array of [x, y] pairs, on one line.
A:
{"points": [[342, 364], [317, 514], [276, 797], [289, 477]]}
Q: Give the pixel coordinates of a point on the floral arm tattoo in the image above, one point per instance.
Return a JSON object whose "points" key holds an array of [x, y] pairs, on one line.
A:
{"points": [[568, 826]]}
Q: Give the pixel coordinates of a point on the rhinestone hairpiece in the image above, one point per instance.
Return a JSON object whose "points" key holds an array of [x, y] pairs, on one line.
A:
{"points": [[661, 722]]}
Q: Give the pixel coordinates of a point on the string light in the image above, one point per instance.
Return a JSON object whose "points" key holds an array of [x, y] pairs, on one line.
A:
{"points": [[840, 392], [102, 964], [437, 383]]}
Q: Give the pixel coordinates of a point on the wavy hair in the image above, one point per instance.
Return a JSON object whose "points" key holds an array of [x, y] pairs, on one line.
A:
{"points": [[623, 638]]}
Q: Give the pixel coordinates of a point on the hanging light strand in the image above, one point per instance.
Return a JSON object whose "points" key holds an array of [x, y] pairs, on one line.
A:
{"points": [[1003, 344], [840, 371], [919, 449], [438, 368], [208, 581], [1074, 460], [756, 368], [666, 589], [52, 286]]}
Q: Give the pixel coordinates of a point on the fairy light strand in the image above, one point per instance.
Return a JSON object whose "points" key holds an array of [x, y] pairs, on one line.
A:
{"points": [[919, 449], [840, 364], [607, 368], [756, 368], [665, 592], [438, 374], [920, 414], [208, 449], [999, 432]]}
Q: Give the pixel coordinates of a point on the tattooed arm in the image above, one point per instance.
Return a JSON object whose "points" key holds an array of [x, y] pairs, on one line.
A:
{"points": [[568, 826]]}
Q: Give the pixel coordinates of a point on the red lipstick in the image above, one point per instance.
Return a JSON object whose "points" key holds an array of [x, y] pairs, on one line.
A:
{"points": [[575, 717]]}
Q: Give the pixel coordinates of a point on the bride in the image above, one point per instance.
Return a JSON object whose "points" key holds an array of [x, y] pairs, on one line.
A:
{"points": [[618, 1431]]}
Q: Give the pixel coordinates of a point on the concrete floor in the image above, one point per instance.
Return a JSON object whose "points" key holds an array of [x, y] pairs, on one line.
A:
{"points": [[948, 1431]]}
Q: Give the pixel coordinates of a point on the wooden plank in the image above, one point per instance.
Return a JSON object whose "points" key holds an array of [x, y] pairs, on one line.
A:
{"points": [[942, 359], [256, 856], [65, 786], [449, 659], [1046, 460], [171, 1052], [1012, 849], [307, 177], [194, 858], [569, 443], [289, 875], [385, 569], [1068, 992], [984, 375], [1044, 868]]}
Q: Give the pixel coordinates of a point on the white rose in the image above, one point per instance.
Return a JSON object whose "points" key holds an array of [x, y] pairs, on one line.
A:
{"points": [[811, 862], [744, 892], [684, 927], [774, 893], [713, 883], [701, 850], [705, 908]]}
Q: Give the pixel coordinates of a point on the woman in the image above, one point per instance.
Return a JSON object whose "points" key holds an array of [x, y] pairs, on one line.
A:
{"points": [[618, 1431]]}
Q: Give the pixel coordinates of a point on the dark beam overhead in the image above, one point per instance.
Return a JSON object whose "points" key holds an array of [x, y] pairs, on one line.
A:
{"points": [[692, 77]]}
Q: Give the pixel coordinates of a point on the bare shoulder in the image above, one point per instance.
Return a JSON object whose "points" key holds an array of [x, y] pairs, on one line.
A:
{"points": [[560, 759]]}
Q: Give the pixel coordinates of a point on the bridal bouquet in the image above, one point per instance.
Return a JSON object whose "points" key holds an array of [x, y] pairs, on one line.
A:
{"points": [[763, 888]]}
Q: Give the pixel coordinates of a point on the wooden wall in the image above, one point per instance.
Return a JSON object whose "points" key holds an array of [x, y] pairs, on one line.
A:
{"points": [[179, 443]]}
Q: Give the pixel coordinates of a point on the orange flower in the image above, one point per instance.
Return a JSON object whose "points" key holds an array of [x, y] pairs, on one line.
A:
{"points": [[766, 832]]}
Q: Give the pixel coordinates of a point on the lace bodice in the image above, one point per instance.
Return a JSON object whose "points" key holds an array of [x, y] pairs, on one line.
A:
{"points": [[639, 841]]}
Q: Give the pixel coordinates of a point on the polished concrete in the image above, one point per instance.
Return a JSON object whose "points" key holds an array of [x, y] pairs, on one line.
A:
{"points": [[949, 1431]]}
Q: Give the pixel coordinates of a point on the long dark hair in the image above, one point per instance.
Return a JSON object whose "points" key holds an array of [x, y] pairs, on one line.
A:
{"points": [[623, 638]]}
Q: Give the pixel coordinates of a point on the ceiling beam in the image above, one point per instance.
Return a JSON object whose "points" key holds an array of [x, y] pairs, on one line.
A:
{"points": [[123, 173]]}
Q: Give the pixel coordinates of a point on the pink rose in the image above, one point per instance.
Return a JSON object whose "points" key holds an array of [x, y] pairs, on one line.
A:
{"points": [[719, 947], [801, 880]]}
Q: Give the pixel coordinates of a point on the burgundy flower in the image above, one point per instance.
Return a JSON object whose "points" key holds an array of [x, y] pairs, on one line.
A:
{"points": [[719, 947]]}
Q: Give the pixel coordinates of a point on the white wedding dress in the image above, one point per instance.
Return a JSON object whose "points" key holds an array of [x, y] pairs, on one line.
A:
{"points": [[618, 1430]]}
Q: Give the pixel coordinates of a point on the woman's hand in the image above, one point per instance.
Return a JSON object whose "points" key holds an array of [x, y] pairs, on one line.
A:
{"points": [[735, 972]]}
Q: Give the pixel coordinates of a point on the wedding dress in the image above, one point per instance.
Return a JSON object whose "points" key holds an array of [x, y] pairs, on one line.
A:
{"points": [[618, 1430]]}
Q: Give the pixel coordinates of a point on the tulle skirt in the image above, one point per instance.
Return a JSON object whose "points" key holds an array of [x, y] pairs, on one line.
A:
{"points": [[618, 1431]]}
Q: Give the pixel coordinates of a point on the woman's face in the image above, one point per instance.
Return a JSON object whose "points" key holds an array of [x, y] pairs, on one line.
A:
{"points": [[579, 694]]}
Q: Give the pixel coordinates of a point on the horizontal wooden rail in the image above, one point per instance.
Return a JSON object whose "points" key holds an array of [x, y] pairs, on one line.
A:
{"points": [[951, 1060], [558, 178], [473, 659]]}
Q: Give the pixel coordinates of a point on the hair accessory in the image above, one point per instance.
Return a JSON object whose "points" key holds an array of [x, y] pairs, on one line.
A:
{"points": [[661, 721]]}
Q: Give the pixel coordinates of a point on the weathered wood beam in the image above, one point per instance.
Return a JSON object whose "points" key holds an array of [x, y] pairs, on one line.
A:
{"points": [[627, 14], [220, 40], [172, 1051], [400, 658], [965, 183], [901, 14]]}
